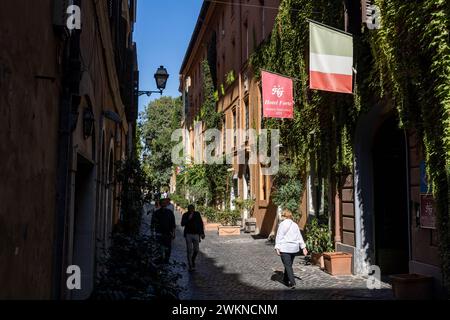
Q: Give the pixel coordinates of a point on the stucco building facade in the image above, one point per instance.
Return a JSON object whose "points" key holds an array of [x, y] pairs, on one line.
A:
{"points": [[226, 35], [68, 100], [374, 211]]}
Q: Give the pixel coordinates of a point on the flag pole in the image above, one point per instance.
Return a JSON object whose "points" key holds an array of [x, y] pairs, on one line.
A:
{"points": [[329, 27], [279, 74]]}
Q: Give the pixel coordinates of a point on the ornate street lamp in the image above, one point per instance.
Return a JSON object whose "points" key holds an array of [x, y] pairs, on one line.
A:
{"points": [[161, 77]]}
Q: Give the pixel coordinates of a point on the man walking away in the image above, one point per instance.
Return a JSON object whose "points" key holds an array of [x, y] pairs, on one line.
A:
{"points": [[193, 233], [169, 204], [163, 227]]}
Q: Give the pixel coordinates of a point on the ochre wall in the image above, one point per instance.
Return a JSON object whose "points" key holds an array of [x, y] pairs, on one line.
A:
{"points": [[28, 145]]}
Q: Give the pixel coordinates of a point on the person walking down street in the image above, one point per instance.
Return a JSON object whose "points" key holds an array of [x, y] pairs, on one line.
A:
{"points": [[170, 205], [288, 243], [154, 207], [194, 232], [163, 227], [157, 196]]}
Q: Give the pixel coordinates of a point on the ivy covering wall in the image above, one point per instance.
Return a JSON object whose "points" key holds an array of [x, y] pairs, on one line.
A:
{"points": [[406, 63]]}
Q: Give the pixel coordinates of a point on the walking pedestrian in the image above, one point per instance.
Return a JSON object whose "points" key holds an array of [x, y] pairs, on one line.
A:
{"points": [[154, 207], [157, 196], [163, 227], [288, 243], [169, 204], [194, 232]]}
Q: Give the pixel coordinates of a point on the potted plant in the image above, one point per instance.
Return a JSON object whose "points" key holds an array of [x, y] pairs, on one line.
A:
{"points": [[318, 241], [338, 263], [246, 205], [210, 216], [228, 219]]}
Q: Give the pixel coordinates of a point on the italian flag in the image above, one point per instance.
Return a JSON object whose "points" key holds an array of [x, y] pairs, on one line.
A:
{"points": [[331, 59]]}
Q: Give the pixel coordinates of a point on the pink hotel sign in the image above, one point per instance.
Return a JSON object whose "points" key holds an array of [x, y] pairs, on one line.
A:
{"points": [[278, 96]]}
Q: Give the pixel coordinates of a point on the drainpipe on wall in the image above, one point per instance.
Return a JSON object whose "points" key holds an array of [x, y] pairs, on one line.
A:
{"points": [[68, 116], [62, 192]]}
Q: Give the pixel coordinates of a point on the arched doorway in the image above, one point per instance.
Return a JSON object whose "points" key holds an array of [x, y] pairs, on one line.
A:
{"points": [[390, 198]]}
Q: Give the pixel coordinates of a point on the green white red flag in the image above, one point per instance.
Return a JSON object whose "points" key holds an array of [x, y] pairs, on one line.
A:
{"points": [[330, 60]]}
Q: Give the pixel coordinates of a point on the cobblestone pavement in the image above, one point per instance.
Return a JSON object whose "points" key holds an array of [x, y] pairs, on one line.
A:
{"points": [[247, 268]]}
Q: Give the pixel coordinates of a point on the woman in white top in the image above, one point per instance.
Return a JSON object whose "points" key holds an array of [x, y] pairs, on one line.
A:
{"points": [[288, 243]]}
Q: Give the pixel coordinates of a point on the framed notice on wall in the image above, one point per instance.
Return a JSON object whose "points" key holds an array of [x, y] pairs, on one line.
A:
{"points": [[427, 211], [427, 203]]}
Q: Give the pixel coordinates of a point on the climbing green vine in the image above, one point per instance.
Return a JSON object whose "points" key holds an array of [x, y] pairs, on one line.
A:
{"points": [[412, 57], [405, 63], [208, 112]]}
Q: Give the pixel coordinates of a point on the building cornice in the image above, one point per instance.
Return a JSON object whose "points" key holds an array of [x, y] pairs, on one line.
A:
{"points": [[207, 6]]}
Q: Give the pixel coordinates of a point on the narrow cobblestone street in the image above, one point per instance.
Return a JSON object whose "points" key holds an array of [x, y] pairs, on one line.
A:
{"points": [[246, 268]]}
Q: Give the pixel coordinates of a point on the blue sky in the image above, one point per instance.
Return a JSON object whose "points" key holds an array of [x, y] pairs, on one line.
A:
{"points": [[162, 33]]}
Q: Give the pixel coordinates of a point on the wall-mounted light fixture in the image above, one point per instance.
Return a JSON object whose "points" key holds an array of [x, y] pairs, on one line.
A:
{"points": [[88, 122]]}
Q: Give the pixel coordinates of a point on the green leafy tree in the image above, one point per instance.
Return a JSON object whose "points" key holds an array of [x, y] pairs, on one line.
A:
{"points": [[157, 123], [131, 177]]}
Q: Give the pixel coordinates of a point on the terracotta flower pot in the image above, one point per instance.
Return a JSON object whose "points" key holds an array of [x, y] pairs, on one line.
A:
{"points": [[212, 226], [317, 260], [338, 263], [412, 286], [229, 230]]}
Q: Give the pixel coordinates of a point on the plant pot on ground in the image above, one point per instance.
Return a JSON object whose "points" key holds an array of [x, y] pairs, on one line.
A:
{"points": [[318, 241], [412, 286], [212, 226], [229, 230], [228, 218], [250, 225], [210, 217], [317, 260], [243, 206], [338, 263]]}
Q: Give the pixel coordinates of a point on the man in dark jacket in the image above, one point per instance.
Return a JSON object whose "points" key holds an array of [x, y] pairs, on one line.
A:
{"points": [[193, 231], [163, 227]]}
